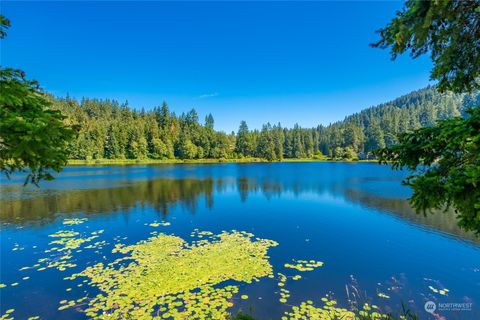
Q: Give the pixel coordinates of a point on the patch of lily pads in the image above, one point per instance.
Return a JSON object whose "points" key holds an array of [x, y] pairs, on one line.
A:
{"points": [[165, 276], [168, 277], [7, 315], [383, 295], [299, 265], [74, 221], [329, 310], [63, 246], [443, 291], [284, 295], [304, 265], [158, 224]]}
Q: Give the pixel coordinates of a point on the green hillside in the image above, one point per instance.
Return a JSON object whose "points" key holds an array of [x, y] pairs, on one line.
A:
{"points": [[110, 130]]}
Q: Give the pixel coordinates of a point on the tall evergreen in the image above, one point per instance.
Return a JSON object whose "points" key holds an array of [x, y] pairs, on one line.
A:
{"points": [[244, 144], [115, 131], [209, 122], [266, 143]]}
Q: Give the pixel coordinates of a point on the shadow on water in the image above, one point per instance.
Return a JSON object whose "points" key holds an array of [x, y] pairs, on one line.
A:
{"points": [[40, 207]]}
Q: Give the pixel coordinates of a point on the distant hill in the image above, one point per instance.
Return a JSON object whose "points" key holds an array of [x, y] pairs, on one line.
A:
{"points": [[379, 126], [109, 130]]}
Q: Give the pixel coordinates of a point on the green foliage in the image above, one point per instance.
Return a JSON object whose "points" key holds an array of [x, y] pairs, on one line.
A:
{"points": [[446, 158], [186, 149], [449, 30], [379, 126], [350, 154], [138, 148], [161, 150], [375, 136], [34, 137], [109, 130], [4, 25], [266, 144], [338, 153], [209, 121], [167, 276], [330, 311], [244, 144], [354, 137]]}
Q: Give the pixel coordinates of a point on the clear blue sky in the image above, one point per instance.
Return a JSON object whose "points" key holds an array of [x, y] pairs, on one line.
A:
{"points": [[306, 63]]}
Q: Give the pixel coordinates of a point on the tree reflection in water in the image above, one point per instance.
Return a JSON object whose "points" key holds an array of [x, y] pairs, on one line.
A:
{"points": [[163, 195]]}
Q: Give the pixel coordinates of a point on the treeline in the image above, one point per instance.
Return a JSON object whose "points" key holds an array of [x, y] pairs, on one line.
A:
{"points": [[109, 130]]}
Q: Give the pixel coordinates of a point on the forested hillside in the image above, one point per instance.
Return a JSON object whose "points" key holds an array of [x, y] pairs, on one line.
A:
{"points": [[109, 130]]}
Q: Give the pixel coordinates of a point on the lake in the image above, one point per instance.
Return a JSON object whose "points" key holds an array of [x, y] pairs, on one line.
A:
{"points": [[352, 217]]}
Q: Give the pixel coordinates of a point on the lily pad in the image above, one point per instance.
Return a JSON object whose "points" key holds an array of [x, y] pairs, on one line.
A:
{"points": [[168, 277]]}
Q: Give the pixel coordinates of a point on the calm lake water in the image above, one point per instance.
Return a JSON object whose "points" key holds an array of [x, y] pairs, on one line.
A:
{"points": [[353, 217]]}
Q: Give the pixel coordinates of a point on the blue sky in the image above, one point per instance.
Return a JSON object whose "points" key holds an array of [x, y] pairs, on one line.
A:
{"points": [[306, 63]]}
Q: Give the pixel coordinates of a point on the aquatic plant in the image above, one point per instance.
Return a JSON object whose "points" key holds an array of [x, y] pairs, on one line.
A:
{"points": [[64, 234], [74, 221], [282, 279], [304, 265], [69, 243], [62, 247], [329, 310], [158, 224], [443, 292], [299, 265], [165, 276], [306, 310], [284, 295], [383, 295]]}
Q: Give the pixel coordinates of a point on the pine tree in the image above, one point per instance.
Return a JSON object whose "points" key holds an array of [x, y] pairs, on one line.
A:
{"points": [[266, 144], [163, 117], [244, 144], [278, 140], [375, 137], [209, 122]]}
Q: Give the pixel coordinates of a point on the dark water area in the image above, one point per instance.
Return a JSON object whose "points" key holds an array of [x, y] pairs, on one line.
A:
{"points": [[354, 217]]}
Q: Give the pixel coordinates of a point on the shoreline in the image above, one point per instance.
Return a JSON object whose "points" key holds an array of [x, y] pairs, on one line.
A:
{"points": [[75, 162]]}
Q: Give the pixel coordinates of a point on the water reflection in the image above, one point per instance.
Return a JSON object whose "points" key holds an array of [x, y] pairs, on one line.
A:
{"points": [[165, 194], [442, 221], [161, 194]]}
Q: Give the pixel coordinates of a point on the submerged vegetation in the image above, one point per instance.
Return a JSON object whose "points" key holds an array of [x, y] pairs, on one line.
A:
{"points": [[166, 276], [330, 311]]}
